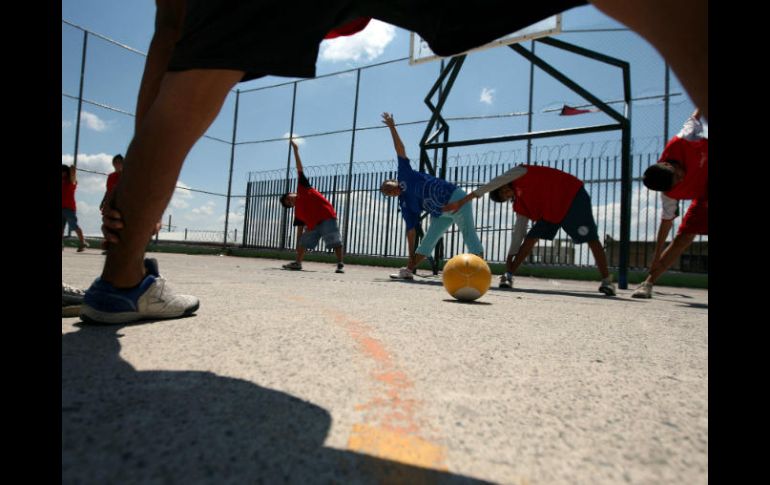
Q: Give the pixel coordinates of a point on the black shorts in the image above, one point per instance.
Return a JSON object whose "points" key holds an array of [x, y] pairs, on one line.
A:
{"points": [[271, 37], [578, 222]]}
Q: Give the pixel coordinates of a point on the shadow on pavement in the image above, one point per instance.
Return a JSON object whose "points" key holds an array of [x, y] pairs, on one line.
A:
{"points": [[120, 425]]}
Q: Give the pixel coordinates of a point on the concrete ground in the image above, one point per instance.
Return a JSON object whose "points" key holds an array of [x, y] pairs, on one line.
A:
{"points": [[317, 377]]}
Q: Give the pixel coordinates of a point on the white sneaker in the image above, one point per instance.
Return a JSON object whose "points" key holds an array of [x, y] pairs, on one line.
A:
{"points": [[607, 287], [403, 274], [71, 300], [643, 291], [152, 299], [506, 280]]}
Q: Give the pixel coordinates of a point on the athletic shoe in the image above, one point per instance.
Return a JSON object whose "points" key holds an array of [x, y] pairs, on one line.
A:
{"points": [[71, 300], [340, 268], [506, 280], [643, 291], [152, 299], [295, 265], [82, 247], [403, 274], [607, 287]]}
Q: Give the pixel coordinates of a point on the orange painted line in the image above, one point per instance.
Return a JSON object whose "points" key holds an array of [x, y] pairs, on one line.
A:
{"points": [[391, 429]]}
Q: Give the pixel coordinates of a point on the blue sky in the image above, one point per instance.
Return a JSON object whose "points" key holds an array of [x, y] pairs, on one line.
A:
{"points": [[491, 82]]}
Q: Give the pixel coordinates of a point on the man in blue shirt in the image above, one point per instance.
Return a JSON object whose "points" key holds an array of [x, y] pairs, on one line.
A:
{"points": [[418, 191]]}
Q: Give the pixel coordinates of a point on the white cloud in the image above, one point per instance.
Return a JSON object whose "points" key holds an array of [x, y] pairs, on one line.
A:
{"points": [[486, 95], [92, 121], [297, 139], [91, 182], [181, 196], [366, 45], [205, 209]]}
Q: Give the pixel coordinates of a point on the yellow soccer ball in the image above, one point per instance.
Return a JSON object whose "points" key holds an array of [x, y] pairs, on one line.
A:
{"points": [[466, 277]]}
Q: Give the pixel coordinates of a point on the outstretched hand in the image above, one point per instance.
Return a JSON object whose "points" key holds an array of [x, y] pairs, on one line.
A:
{"points": [[387, 118]]}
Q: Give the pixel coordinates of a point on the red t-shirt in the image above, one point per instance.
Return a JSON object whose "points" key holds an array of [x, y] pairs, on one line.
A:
{"points": [[68, 195], [544, 193], [311, 207], [694, 156], [112, 181]]}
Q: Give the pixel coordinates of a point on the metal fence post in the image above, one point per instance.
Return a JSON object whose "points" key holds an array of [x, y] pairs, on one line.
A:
{"points": [[232, 159], [350, 167], [288, 165], [80, 97]]}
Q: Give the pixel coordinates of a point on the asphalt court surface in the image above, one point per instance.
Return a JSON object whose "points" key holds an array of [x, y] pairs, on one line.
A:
{"points": [[316, 377]]}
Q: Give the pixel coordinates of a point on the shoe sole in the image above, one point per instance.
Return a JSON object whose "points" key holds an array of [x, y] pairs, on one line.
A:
{"points": [[89, 315], [70, 311]]}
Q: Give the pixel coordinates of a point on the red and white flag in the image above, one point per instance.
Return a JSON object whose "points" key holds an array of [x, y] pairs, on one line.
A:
{"points": [[569, 111]]}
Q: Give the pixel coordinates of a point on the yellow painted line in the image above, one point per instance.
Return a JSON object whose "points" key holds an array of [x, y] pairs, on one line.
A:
{"points": [[396, 446]]}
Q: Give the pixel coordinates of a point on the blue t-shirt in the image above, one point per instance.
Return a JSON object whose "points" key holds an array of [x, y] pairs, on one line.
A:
{"points": [[420, 191]]}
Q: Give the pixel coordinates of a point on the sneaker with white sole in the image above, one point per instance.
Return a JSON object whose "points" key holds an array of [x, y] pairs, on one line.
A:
{"points": [[71, 300], [643, 291], [607, 287], [340, 268], [403, 274], [82, 247], [506, 280], [295, 265], [152, 299]]}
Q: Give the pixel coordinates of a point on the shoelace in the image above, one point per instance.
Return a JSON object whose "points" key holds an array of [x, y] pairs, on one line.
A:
{"points": [[71, 290]]}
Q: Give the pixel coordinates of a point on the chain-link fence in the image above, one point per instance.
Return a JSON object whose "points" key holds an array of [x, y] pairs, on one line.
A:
{"points": [[251, 134]]}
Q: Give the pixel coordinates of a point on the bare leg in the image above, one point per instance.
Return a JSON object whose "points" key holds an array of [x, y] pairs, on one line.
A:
{"points": [[418, 258], [187, 103], [338, 252], [673, 251], [79, 232], [600, 257], [678, 30]]}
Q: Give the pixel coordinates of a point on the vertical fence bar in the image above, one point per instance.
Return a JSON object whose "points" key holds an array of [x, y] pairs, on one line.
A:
{"points": [[288, 163], [232, 160], [352, 151], [80, 97]]}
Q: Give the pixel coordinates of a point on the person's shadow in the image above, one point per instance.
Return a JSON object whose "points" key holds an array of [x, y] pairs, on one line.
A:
{"points": [[120, 425]]}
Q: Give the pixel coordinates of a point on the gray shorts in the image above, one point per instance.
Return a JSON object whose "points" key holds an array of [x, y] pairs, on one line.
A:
{"points": [[328, 229], [578, 223], [68, 217]]}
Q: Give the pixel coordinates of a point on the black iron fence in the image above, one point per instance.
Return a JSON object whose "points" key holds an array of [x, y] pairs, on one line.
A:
{"points": [[375, 227]]}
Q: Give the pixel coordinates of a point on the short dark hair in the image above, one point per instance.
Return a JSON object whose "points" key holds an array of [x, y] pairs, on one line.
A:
{"points": [[65, 169], [659, 177], [117, 157], [495, 195], [284, 198]]}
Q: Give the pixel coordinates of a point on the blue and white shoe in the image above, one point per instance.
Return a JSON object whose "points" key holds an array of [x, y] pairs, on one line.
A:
{"points": [[152, 299], [71, 300]]}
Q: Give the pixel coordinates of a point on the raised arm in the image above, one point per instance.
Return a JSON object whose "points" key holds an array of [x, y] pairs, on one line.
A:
{"points": [[296, 155], [73, 174], [387, 118]]}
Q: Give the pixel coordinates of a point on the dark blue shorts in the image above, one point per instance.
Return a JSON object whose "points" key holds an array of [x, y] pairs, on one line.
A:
{"points": [[68, 217], [578, 223], [272, 37]]}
